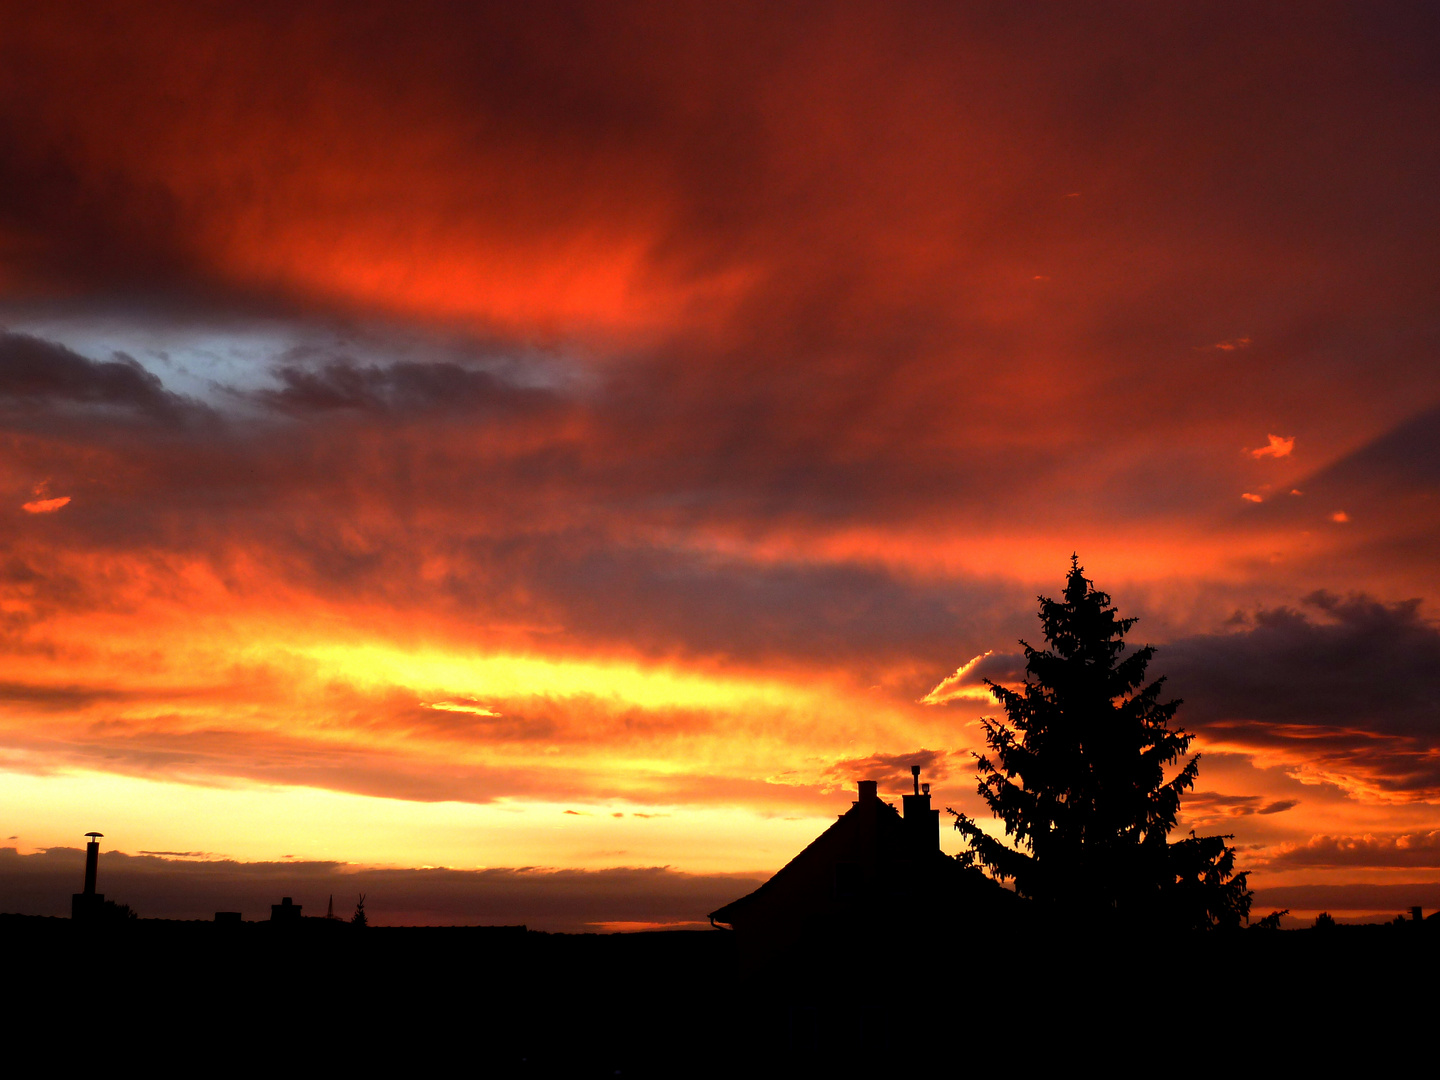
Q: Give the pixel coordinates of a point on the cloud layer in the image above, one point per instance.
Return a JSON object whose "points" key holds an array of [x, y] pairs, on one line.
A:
{"points": [[693, 393]]}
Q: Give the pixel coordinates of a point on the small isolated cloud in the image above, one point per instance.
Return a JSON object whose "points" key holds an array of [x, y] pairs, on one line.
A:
{"points": [[1340, 517], [45, 506], [1232, 345], [1278, 806], [967, 683], [1278, 447], [1215, 804], [1296, 491], [1250, 496], [474, 708]]}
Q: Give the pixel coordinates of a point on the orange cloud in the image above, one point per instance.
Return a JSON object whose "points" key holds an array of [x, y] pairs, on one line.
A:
{"points": [[962, 684], [45, 506], [1278, 447]]}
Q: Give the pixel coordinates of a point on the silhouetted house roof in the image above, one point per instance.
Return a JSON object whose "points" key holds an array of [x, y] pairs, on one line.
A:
{"points": [[874, 870]]}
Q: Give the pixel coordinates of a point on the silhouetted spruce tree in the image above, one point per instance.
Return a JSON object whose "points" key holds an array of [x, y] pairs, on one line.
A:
{"points": [[359, 919], [1078, 778]]}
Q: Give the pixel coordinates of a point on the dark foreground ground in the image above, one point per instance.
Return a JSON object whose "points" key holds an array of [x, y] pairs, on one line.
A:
{"points": [[321, 997]]}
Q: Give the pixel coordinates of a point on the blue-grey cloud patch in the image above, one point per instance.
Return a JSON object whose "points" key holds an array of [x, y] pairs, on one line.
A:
{"points": [[35, 373]]}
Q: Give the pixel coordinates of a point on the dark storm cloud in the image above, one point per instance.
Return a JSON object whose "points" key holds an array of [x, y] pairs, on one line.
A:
{"points": [[35, 372], [1348, 681], [1339, 662], [401, 387], [543, 899]]}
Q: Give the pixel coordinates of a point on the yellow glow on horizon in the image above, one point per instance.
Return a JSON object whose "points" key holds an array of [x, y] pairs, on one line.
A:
{"points": [[267, 823]]}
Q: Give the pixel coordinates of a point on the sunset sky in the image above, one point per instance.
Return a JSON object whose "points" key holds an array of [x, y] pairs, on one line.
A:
{"points": [[588, 437]]}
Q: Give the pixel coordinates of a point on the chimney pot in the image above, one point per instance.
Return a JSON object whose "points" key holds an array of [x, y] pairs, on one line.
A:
{"points": [[868, 792]]}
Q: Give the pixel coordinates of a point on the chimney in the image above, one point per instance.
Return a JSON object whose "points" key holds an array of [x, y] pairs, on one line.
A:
{"points": [[89, 904], [868, 792], [923, 823], [92, 861], [1415, 913]]}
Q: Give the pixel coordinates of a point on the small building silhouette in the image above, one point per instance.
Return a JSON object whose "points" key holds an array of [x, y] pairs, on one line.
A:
{"points": [[873, 872], [287, 911]]}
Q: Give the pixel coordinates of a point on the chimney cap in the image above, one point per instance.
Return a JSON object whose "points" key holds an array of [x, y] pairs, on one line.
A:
{"points": [[94, 834]]}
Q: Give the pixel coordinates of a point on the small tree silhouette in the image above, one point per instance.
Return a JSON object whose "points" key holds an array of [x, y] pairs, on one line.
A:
{"points": [[358, 919], [1271, 921], [1324, 921], [1078, 780]]}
